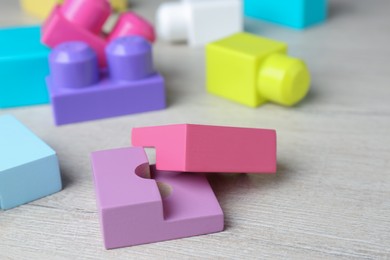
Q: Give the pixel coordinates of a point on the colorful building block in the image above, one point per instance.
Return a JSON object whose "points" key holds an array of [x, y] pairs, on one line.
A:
{"points": [[251, 70], [42, 8], [83, 20], [119, 5], [39, 8], [297, 14], [201, 148], [28, 167], [23, 67], [133, 211], [199, 21], [79, 91]]}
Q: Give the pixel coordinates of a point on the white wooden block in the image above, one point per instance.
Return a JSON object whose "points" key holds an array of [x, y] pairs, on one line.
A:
{"points": [[199, 21]]}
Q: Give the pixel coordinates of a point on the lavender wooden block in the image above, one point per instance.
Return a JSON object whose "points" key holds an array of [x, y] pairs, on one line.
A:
{"points": [[138, 204], [80, 91]]}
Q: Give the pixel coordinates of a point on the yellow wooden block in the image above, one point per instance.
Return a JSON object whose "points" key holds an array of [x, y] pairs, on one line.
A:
{"points": [[119, 5], [252, 70], [42, 8], [39, 8]]}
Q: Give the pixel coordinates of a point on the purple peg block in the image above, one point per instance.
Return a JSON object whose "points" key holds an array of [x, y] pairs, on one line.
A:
{"points": [[135, 209], [130, 58], [80, 91]]}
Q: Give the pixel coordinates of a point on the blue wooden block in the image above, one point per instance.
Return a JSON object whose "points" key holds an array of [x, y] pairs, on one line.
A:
{"points": [[298, 14], [23, 67], [28, 167]]}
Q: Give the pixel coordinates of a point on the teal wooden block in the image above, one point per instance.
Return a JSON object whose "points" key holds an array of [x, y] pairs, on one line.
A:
{"points": [[29, 168], [23, 67], [298, 14]]}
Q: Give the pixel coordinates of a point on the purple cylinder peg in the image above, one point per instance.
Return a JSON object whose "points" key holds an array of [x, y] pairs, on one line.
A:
{"points": [[129, 58], [73, 65]]}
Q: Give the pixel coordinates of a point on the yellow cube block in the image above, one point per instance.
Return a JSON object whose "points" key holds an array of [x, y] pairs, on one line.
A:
{"points": [[39, 8], [42, 8], [119, 5], [252, 70]]}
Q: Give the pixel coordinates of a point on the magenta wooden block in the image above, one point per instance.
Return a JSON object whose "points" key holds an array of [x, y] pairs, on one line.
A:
{"points": [[132, 210], [57, 29], [80, 91], [201, 148]]}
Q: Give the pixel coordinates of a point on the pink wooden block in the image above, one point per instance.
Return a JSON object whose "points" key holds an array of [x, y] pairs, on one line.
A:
{"points": [[201, 148], [82, 20], [133, 212], [131, 24]]}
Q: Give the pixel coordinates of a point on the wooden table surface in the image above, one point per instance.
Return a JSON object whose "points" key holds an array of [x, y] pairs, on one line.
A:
{"points": [[330, 197]]}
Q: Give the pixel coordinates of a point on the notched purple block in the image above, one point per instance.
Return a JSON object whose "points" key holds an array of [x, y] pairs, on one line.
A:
{"points": [[136, 210], [80, 91]]}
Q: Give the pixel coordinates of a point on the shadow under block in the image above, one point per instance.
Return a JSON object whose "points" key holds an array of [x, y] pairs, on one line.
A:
{"points": [[202, 148], [84, 20], [251, 70], [131, 209], [23, 67], [80, 91], [297, 14], [42, 8], [199, 21], [28, 167]]}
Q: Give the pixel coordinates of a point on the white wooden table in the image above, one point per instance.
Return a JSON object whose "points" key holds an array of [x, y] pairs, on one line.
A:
{"points": [[330, 197]]}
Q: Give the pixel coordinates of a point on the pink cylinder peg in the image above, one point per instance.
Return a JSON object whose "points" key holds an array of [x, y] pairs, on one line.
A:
{"points": [[88, 14], [130, 23]]}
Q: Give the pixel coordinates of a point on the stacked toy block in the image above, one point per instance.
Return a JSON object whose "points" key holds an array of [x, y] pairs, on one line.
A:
{"points": [[80, 91], [24, 59], [28, 167], [23, 67], [83, 21], [139, 203], [298, 14]]}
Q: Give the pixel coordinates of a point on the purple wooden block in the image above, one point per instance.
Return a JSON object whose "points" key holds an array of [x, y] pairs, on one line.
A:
{"points": [[132, 210], [79, 91]]}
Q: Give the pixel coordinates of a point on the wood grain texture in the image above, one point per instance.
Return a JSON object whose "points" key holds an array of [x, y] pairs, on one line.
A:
{"points": [[331, 196]]}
